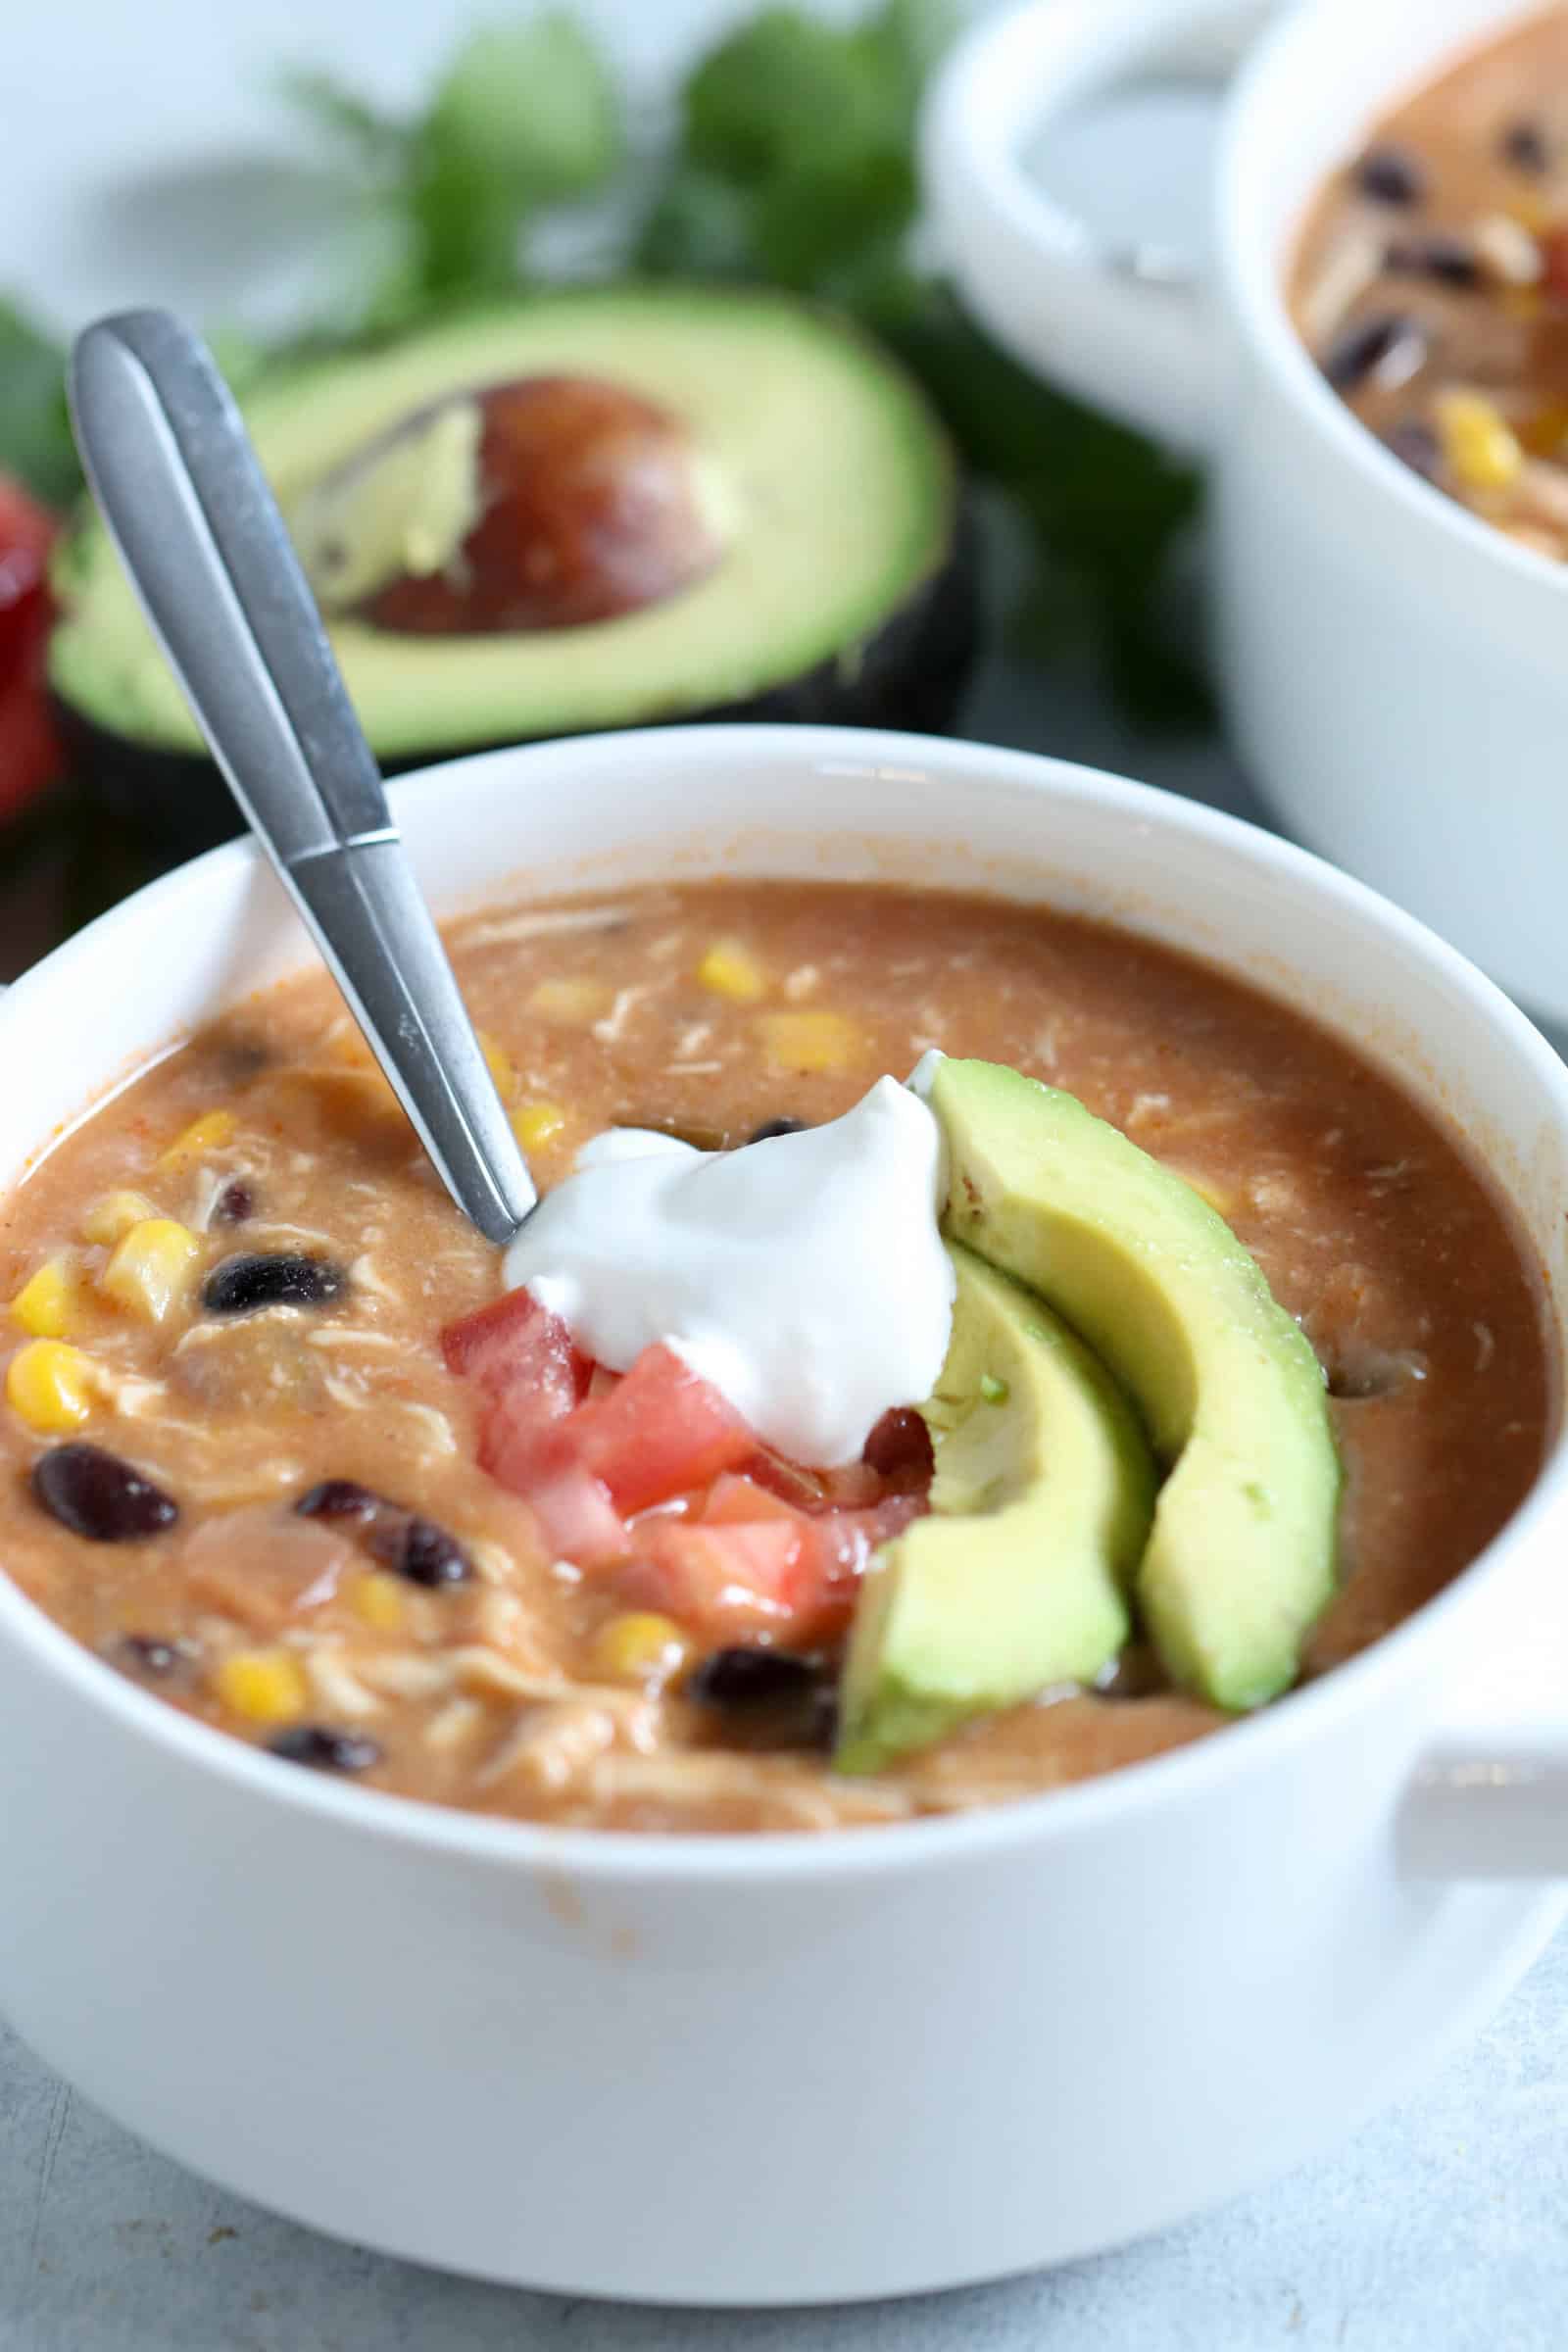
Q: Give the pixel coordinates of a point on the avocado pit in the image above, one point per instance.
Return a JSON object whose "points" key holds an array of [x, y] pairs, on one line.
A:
{"points": [[546, 503]]}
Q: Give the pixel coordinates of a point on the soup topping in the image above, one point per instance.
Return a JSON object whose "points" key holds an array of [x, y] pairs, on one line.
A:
{"points": [[805, 1277]]}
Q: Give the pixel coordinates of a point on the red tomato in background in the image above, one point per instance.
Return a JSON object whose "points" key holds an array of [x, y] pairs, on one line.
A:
{"points": [[30, 756]]}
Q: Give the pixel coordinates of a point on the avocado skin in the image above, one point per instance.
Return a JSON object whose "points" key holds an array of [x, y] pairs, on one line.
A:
{"points": [[1241, 1559], [909, 676]]}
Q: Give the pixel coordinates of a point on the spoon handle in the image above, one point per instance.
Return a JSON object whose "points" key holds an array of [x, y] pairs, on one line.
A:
{"points": [[200, 534]]}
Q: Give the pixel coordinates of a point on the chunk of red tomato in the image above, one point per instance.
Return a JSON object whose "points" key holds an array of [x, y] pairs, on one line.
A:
{"points": [[578, 1520], [724, 1582], [30, 756], [517, 1346], [663, 1431]]}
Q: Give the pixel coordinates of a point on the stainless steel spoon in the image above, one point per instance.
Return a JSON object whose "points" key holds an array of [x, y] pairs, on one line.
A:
{"points": [[200, 534]]}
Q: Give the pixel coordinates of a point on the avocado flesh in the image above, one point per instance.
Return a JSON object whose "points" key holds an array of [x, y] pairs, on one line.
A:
{"points": [[840, 501], [1241, 1560], [1040, 1509]]}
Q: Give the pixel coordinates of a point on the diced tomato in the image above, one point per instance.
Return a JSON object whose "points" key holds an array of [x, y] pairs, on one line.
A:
{"points": [[520, 1346], [852, 1487], [722, 1582], [781, 1571], [660, 1432], [577, 1519], [736, 1499], [803, 1488], [837, 1552], [30, 756]]}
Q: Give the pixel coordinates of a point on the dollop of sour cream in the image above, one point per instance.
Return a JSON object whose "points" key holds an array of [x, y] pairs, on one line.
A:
{"points": [[804, 1276]]}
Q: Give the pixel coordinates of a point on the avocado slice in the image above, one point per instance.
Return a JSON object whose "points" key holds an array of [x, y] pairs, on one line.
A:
{"points": [[1241, 1561], [840, 586], [1040, 1509]]}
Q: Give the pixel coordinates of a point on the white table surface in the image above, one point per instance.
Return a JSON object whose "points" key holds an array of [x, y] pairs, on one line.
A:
{"points": [[138, 141]]}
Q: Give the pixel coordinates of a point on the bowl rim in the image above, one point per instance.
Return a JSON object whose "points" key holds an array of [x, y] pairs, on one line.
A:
{"points": [[874, 1852], [1255, 269]]}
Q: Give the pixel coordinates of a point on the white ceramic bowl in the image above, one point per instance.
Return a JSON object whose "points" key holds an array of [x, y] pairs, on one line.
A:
{"points": [[1393, 667], [790, 2069]]}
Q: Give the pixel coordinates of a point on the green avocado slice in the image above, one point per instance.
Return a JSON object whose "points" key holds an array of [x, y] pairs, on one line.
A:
{"points": [[1043, 1493], [1241, 1561]]}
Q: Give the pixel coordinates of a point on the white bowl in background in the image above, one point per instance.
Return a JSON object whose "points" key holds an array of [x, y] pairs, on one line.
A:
{"points": [[1394, 668], [794, 2069]]}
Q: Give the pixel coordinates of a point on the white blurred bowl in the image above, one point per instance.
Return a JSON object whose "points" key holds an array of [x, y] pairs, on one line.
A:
{"points": [[1394, 668]]}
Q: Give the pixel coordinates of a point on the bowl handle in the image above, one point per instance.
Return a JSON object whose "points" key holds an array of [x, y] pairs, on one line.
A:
{"points": [[1490, 1797], [1489, 1809], [1127, 328]]}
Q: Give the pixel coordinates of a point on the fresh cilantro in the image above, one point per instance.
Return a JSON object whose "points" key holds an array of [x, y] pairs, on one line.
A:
{"points": [[525, 115], [35, 443]]}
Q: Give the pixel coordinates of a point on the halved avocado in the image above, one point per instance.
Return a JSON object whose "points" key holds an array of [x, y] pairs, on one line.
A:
{"points": [[838, 584]]}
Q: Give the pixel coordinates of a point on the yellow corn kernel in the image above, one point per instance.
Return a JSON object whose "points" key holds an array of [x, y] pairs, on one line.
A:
{"points": [[150, 1271], [49, 1302], [267, 1686], [581, 1000], [808, 1041], [641, 1647], [210, 1133], [1481, 448], [500, 1064], [113, 1214], [51, 1386], [537, 1124], [730, 969], [380, 1599]]}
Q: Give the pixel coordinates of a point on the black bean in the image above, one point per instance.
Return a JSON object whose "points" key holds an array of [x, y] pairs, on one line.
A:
{"points": [[325, 1750], [771, 1127], [901, 1441], [753, 1678], [1392, 175], [98, 1496], [339, 1499], [422, 1553], [1369, 345], [240, 1285], [1415, 445], [144, 1653], [234, 1203], [1449, 260], [1525, 145]]}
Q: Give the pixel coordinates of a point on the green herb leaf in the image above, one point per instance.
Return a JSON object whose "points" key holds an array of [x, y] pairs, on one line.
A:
{"points": [[786, 94], [701, 224], [341, 115], [35, 443], [525, 115]]}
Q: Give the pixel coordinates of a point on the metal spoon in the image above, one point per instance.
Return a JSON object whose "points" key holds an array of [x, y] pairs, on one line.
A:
{"points": [[200, 534]]}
